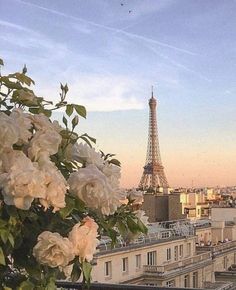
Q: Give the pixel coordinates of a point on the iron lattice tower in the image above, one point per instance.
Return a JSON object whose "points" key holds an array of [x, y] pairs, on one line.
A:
{"points": [[153, 174]]}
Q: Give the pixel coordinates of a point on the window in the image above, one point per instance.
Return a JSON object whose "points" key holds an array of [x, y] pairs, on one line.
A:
{"points": [[138, 261], [225, 262], [125, 265], [151, 258], [188, 249], [176, 253], [186, 281], [165, 235], [168, 254], [195, 279], [170, 283], [181, 250], [108, 269]]}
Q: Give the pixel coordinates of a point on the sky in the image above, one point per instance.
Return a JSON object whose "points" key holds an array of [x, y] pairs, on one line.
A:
{"points": [[110, 52]]}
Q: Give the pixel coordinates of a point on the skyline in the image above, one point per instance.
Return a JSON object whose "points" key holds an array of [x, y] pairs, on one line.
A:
{"points": [[110, 58]]}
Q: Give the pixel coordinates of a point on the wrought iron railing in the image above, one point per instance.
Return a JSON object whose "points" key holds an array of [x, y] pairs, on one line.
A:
{"points": [[98, 286]]}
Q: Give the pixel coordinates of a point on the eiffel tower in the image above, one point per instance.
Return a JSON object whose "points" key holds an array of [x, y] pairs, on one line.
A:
{"points": [[153, 174]]}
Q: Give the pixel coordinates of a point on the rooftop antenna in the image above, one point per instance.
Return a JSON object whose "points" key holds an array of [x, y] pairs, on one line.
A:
{"points": [[152, 91]]}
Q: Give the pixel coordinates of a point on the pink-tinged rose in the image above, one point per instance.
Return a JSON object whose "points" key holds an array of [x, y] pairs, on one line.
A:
{"points": [[84, 239]]}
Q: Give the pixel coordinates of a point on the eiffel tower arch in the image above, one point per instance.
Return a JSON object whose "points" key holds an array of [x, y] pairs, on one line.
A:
{"points": [[153, 174]]}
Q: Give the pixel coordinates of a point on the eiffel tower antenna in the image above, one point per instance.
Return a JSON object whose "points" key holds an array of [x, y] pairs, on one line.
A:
{"points": [[153, 174]]}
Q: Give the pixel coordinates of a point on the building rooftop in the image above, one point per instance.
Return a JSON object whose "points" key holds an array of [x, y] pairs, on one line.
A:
{"points": [[157, 232]]}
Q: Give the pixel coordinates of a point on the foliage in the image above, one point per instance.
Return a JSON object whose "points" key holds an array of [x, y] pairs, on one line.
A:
{"points": [[20, 228]]}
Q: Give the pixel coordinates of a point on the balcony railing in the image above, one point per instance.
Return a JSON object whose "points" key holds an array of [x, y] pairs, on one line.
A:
{"points": [[98, 286], [178, 265], [217, 249]]}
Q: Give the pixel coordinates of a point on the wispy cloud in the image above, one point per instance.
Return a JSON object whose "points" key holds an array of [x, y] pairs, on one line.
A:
{"points": [[112, 29], [14, 26], [32, 40], [178, 64], [101, 92]]}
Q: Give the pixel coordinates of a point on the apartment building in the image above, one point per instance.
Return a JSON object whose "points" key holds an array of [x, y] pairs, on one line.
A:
{"points": [[170, 255]]}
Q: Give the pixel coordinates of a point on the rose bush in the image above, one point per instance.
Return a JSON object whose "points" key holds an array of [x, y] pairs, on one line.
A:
{"points": [[58, 195]]}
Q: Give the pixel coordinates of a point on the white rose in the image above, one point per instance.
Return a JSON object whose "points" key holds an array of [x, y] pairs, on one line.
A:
{"points": [[21, 181], [9, 131], [44, 141], [85, 154], [112, 172], [42, 122], [136, 196], [24, 124], [56, 185], [53, 250], [94, 188], [84, 239]]}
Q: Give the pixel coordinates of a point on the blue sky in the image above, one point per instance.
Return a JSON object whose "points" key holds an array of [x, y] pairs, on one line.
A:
{"points": [[110, 58]]}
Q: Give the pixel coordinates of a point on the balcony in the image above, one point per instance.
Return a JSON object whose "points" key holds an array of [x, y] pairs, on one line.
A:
{"points": [[179, 265], [218, 249]]}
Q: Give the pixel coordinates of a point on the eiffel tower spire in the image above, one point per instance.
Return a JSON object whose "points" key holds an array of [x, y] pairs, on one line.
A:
{"points": [[153, 174]]}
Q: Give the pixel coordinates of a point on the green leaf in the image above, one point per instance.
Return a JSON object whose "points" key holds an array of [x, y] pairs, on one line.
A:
{"points": [[80, 110], [11, 239], [75, 121], [26, 285], [64, 120], [2, 257], [113, 235], [115, 162], [88, 137], [21, 77], [70, 204], [87, 268], [1, 62], [133, 227], [2, 223], [122, 227], [86, 140], [79, 204], [9, 84], [66, 89], [34, 110], [4, 235], [47, 113], [76, 272], [69, 110], [142, 227], [51, 284]]}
